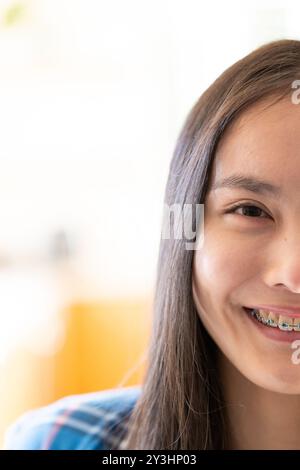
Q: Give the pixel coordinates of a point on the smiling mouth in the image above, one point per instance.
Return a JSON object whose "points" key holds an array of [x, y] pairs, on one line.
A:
{"points": [[272, 321]]}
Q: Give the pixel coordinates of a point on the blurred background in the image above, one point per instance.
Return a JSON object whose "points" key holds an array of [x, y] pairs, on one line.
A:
{"points": [[93, 94]]}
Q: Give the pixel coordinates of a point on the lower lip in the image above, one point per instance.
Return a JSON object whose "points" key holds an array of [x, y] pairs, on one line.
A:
{"points": [[271, 332]]}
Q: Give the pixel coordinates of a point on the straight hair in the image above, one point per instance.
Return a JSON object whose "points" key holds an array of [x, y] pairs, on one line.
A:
{"points": [[181, 406]]}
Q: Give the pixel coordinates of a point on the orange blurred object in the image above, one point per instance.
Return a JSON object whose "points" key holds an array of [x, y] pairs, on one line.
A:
{"points": [[105, 346]]}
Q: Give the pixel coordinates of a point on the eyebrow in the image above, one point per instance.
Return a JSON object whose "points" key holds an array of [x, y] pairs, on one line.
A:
{"points": [[249, 184]]}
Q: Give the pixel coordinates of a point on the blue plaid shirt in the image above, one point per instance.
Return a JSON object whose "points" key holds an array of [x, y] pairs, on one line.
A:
{"points": [[90, 421]]}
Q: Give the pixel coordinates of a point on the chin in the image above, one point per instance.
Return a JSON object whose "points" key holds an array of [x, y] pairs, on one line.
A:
{"points": [[280, 380]]}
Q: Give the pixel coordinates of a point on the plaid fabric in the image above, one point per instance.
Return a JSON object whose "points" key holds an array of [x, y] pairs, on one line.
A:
{"points": [[91, 421]]}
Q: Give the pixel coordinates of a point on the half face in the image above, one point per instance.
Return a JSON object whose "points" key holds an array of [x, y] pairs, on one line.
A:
{"points": [[246, 273]]}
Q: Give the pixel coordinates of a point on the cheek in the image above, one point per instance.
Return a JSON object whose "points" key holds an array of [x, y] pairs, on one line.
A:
{"points": [[219, 264], [217, 276], [219, 269]]}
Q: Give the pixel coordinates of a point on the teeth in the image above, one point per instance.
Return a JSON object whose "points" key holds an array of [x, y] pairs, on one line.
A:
{"points": [[285, 323], [296, 324], [272, 320], [264, 316], [282, 322]]}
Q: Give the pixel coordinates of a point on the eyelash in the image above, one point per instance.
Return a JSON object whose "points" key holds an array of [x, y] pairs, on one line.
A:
{"points": [[238, 206]]}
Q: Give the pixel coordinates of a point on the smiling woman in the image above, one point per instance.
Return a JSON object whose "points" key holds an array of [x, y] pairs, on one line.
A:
{"points": [[220, 373], [258, 254]]}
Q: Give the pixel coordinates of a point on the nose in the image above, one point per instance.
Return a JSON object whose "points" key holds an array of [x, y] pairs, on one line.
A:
{"points": [[284, 272]]}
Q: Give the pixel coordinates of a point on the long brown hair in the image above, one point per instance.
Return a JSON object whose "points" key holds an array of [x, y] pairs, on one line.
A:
{"points": [[181, 405]]}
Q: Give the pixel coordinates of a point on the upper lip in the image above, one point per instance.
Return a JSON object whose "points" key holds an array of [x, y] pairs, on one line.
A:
{"points": [[280, 309]]}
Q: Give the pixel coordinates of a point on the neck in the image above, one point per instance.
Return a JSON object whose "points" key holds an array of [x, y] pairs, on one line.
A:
{"points": [[258, 418]]}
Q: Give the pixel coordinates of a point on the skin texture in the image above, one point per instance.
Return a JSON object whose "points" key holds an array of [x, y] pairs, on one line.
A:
{"points": [[246, 260]]}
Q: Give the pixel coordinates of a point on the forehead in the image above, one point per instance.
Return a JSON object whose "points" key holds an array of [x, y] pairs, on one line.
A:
{"points": [[263, 142]]}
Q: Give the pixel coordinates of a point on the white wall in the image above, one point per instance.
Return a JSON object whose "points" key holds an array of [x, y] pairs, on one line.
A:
{"points": [[92, 97]]}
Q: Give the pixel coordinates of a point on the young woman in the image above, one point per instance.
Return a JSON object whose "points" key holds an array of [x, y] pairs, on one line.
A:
{"points": [[222, 371], [222, 374]]}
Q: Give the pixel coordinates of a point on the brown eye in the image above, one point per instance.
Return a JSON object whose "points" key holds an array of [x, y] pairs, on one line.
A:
{"points": [[248, 210]]}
